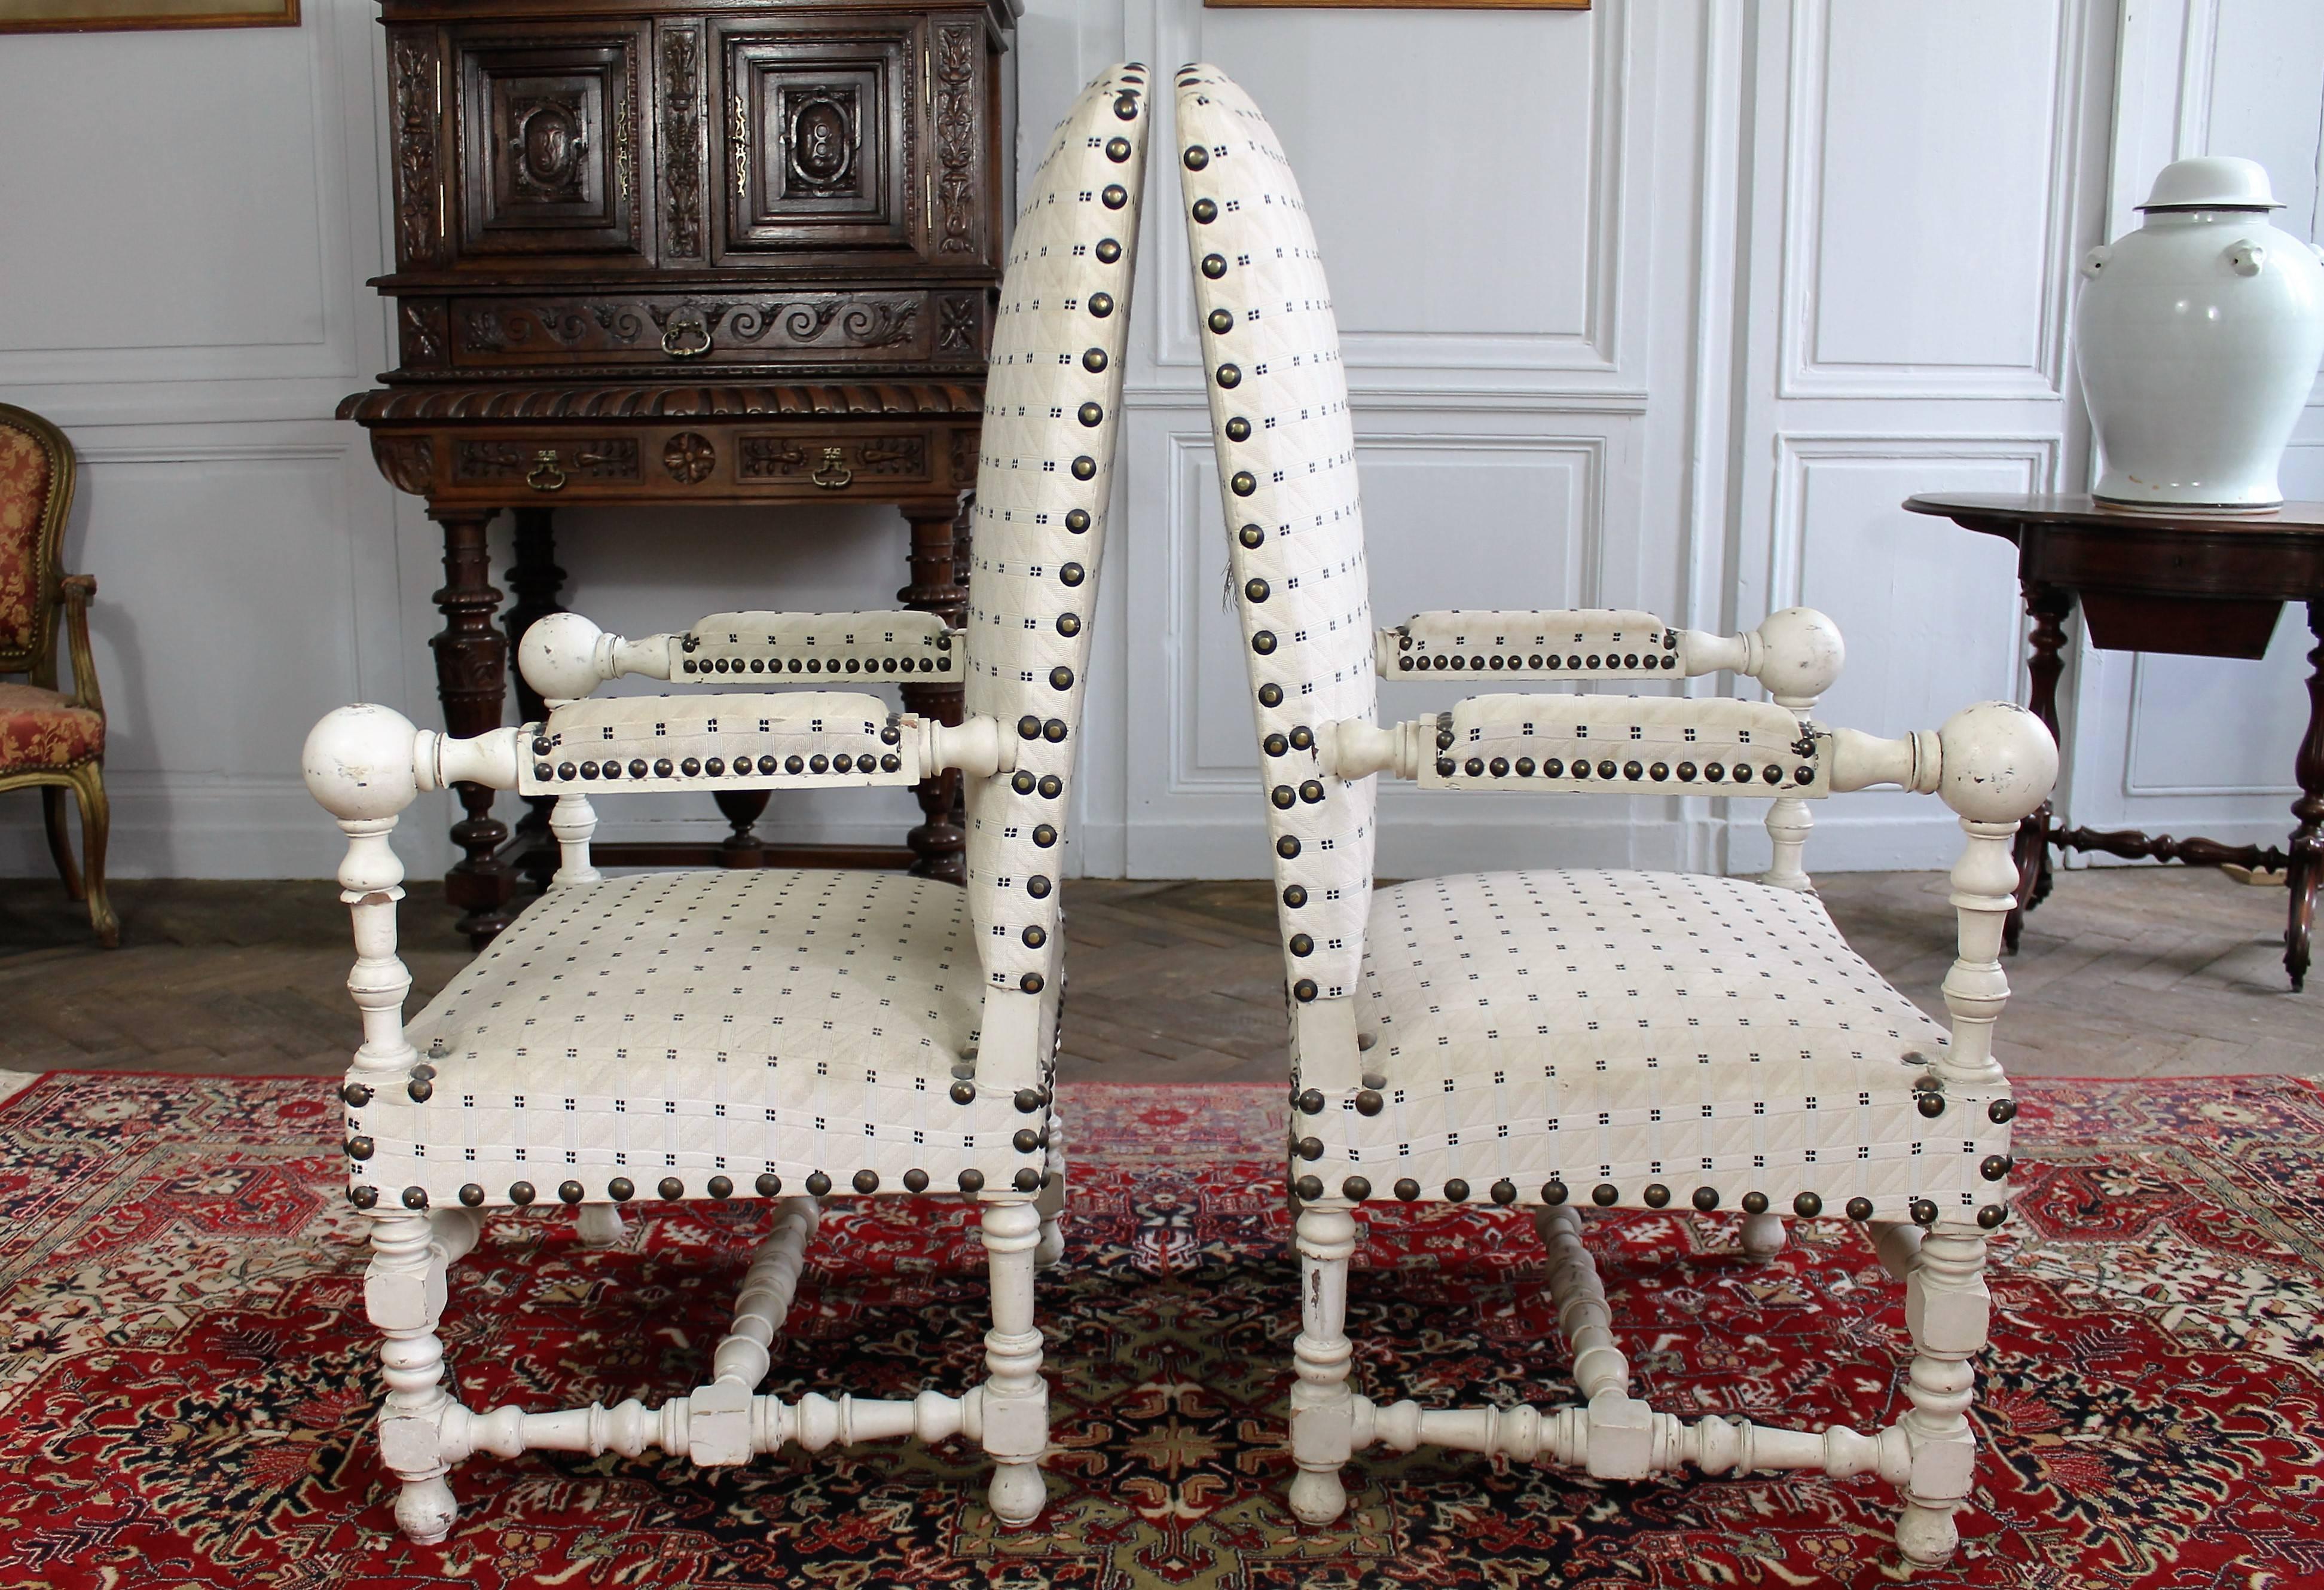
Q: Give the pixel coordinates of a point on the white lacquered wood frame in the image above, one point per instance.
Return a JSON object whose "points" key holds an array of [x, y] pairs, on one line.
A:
{"points": [[365, 764]]}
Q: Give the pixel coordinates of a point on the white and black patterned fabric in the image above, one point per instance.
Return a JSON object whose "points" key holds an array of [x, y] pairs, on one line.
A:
{"points": [[1541, 1035], [1051, 411], [722, 1031], [1286, 455]]}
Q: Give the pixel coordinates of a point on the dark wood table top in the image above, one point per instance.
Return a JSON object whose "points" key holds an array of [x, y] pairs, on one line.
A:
{"points": [[1999, 509]]}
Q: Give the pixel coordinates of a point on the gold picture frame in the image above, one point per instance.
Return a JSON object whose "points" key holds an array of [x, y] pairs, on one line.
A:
{"points": [[107, 16]]}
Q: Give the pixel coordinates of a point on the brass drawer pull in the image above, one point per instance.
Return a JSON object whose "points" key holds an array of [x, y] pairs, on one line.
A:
{"points": [[546, 475], [682, 326], [833, 473]]}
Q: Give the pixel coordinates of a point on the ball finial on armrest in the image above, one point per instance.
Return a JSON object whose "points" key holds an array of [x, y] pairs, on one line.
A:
{"points": [[358, 762], [2000, 763], [1803, 653], [559, 656]]}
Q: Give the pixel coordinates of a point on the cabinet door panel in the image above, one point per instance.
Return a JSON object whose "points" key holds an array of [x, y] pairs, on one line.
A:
{"points": [[555, 130], [820, 138]]}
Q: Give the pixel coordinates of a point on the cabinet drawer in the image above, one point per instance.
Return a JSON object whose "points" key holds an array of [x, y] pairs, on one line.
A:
{"points": [[834, 462], [548, 463], [694, 329], [556, 143]]}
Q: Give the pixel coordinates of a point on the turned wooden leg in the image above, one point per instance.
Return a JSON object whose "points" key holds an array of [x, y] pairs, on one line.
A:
{"points": [[1322, 1412], [52, 813], [471, 681], [404, 1293], [2049, 608], [537, 582], [1051, 1201], [95, 824], [599, 1224], [939, 842], [1946, 1307], [1764, 1235], [1015, 1429], [2307, 866]]}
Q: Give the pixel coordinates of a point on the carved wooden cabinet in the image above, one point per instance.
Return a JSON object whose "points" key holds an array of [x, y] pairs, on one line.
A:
{"points": [[653, 251]]}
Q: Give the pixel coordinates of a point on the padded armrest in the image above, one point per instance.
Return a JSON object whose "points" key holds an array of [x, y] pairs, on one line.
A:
{"points": [[1577, 742], [1587, 643], [813, 643], [1796, 653], [794, 738], [565, 656]]}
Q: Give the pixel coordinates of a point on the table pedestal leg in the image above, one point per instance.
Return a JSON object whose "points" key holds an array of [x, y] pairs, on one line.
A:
{"points": [[2307, 865], [939, 842], [2049, 608], [472, 682], [538, 582]]}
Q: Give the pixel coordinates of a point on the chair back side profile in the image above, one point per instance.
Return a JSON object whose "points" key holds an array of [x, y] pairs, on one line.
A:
{"points": [[1044, 478]]}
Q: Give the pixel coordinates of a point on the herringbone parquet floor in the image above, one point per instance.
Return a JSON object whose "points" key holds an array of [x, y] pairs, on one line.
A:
{"points": [[2148, 971]]}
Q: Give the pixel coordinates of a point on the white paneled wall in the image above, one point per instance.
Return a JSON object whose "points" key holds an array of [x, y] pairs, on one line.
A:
{"points": [[1655, 305]]}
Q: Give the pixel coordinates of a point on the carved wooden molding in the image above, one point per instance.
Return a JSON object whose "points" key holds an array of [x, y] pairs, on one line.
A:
{"points": [[681, 140], [414, 85], [957, 121], [661, 401]]}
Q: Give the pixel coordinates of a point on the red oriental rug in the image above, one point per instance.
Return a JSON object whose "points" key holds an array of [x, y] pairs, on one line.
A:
{"points": [[186, 1376]]}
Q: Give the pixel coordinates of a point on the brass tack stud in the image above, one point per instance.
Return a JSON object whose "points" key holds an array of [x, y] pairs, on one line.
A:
{"points": [[817, 1184]]}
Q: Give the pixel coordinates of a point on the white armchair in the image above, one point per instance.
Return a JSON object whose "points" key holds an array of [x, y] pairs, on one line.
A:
{"points": [[765, 1034], [1557, 1040]]}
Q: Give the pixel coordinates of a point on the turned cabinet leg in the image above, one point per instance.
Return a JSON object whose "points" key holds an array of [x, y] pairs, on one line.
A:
{"points": [[403, 1294], [538, 583], [938, 843], [472, 680], [1947, 1309], [1016, 1396], [742, 808], [2306, 870], [1323, 1411]]}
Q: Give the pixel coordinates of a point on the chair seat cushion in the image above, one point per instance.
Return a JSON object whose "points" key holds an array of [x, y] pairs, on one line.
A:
{"points": [[688, 1025], [41, 729], [1655, 1034]]}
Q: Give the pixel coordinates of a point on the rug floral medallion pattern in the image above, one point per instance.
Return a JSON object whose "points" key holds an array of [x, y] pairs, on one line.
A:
{"points": [[186, 1377]]}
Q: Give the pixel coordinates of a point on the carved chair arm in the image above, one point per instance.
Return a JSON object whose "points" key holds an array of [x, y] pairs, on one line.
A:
{"points": [[74, 594], [1796, 653], [565, 656]]}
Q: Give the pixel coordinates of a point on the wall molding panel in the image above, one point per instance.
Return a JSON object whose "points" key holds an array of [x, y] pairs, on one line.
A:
{"points": [[1807, 295]]}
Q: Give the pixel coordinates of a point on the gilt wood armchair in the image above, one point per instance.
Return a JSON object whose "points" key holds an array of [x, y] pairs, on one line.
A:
{"points": [[1556, 1040], [764, 1033], [49, 740]]}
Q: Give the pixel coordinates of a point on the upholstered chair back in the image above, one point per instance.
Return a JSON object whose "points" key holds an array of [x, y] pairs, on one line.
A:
{"points": [[36, 488], [1052, 410], [1279, 397]]}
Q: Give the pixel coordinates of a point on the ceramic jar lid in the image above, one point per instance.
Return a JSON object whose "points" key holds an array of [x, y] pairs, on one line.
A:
{"points": [[2212, 183]]}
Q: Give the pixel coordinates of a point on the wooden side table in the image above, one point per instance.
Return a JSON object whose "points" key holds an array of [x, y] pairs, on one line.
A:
{"points": [[2192, 583]]}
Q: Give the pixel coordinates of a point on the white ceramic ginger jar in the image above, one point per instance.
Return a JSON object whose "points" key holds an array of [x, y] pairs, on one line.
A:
{"points": [[2199, 336]]}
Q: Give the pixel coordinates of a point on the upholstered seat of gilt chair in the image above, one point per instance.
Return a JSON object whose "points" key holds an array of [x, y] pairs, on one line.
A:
{"points": [[49, 739], [767, 1035], [1561, 1040]]}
